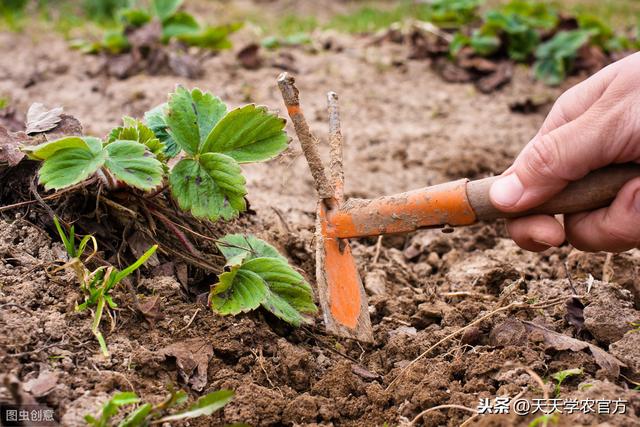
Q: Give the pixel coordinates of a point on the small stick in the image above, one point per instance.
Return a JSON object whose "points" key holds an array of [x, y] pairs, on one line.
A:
{"points": [[335, 146], [309, 143]]}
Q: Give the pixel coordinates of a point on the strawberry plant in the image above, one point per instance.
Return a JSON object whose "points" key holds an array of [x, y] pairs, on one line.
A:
{"points": [[207, 181], [554, 58], [96, 285], [210, 143], [174, 23], [257, 275], [146, 414]]}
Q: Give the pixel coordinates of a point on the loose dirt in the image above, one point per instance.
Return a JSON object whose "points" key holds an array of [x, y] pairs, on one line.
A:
{"points": [[404, 128]]}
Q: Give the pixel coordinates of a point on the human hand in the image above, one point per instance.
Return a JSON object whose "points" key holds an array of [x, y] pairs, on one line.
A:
{"points": [[592, 125]]}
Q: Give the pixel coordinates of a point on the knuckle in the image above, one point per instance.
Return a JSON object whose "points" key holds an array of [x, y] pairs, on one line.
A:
{"points": [[544, 156]]}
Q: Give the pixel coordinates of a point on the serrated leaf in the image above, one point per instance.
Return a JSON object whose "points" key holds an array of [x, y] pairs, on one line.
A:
{"points": [[70, 166], [212, 187], [178, 24], [190, 116], [156, 121], [47, 149], [134, 130], [165, 8], [289, 294], [237, 291], [130, 162], [206, 405], [238, 248], [248, 134]]}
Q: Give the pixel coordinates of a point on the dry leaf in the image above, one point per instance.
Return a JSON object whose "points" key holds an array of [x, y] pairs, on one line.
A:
{"points": [[10, 153], [192, 358], [563, 342], [43, 385], [249, 56], [39, 119], [575, 314]]}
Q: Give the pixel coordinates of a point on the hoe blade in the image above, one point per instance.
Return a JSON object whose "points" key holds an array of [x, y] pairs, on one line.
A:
{"points": [[342, 296]]}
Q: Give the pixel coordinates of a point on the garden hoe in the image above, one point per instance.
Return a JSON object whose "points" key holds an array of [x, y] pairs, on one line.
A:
{"points": [[457, 203]]}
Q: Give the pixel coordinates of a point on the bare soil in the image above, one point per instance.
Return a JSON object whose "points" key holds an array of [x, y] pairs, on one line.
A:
{"points": [[404, 128]]}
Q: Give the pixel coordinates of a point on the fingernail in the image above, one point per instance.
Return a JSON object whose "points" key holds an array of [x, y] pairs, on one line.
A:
{"points": [[507, 190], [543, 243]]}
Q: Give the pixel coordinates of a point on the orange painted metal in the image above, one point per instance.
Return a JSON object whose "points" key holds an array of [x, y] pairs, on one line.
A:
{"points": [[343, 283], [438, 205]]}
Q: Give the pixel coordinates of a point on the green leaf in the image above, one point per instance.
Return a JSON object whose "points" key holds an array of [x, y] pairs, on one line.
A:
{"points": [[206, 405], [164, 9], [111, 407], [48, 149], [555, 57], [118, 276], [238, 248], [601, 33], [178, 24], [115, 41], [134, 17], [130, 162], [137, 417], [248, 134], [135, 130], [289, 294], [70, 166], [459, 41], [237, 291], [212, 187], [190, 117], [484, 45], [156, 121], [215, 38]]}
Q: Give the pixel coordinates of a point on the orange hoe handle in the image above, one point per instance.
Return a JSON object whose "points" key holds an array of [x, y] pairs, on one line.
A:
{"points": [[465, 202]]}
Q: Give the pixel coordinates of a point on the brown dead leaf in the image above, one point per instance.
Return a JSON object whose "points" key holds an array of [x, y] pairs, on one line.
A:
{"points": [[591, 59], [39, 119], [10, 153], [501, 76], [249, 56], [43, 384], [364, 373], [575, 314], [451, 72], [562, 342], [146, 36], [529, 105], [139, 244], [192, 358], [150, 307]]}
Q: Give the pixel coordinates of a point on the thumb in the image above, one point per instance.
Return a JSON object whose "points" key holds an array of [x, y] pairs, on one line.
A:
{"points": [[550, 161]]}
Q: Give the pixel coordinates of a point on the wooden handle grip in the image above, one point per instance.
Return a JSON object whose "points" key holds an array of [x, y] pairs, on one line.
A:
{"points": [[596, 190]]}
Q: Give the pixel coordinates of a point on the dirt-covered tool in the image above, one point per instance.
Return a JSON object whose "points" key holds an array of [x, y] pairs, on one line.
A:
{"points": [[456, 203]]}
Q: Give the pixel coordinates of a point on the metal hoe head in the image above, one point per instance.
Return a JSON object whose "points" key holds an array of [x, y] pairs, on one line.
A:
{"points": [[342, 296]]}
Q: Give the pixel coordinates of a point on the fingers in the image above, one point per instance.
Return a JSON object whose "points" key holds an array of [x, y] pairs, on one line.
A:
{"points": [[612, 229], [550, 161], [536, 233]]}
